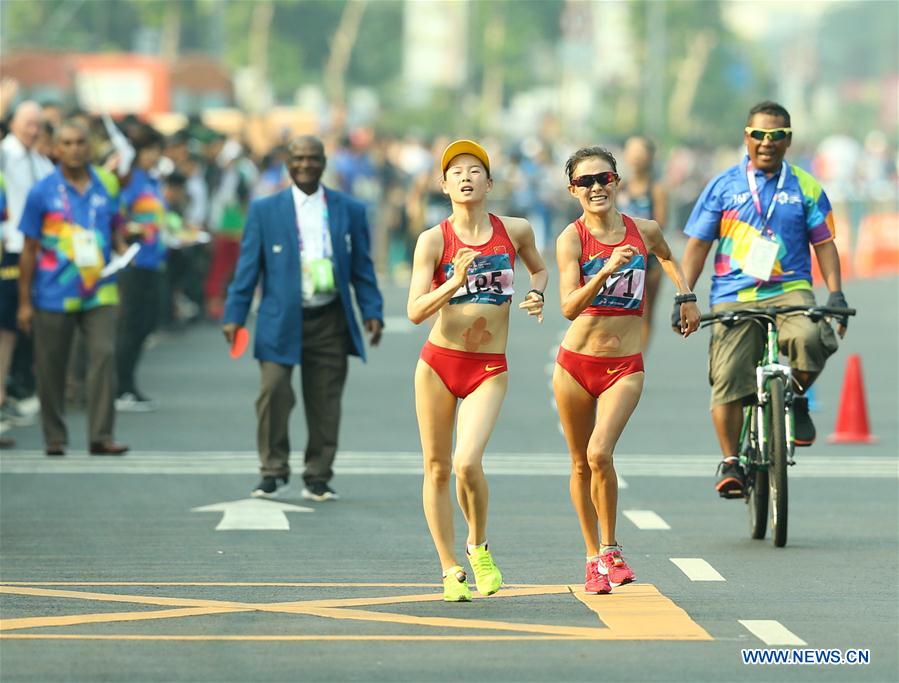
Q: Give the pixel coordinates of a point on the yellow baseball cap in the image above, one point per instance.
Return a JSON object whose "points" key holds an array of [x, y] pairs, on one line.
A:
{"points": [[458, 147]]}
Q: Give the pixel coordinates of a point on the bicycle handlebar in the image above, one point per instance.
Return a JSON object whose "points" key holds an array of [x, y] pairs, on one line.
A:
{"points": [[737, 314]]}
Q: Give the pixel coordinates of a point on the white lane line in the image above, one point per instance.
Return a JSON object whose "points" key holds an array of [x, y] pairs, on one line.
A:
{"points": [[378, 462], [771, 632], [646, 519], [697, 569]]}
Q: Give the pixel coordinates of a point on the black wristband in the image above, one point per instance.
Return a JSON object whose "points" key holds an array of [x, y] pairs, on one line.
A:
{"points": [[535, 291], [684, 298]]}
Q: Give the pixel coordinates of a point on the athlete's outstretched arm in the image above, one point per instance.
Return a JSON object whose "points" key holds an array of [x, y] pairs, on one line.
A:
{"points": [[423, 302], [575, 298], [655, 242], [695, 254], [522, 235]]}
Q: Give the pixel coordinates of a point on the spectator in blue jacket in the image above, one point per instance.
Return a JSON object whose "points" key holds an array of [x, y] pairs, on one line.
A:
{"points": [[308, 245]]}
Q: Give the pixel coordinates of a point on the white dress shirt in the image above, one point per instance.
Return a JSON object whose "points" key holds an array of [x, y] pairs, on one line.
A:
{"points": [[21, 169], [314, 235]]}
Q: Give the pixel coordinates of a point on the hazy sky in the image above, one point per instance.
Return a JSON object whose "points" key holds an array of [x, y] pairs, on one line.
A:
{"points": [[756, 19]]}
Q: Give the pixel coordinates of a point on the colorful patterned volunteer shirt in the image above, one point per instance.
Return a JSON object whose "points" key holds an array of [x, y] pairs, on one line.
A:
{"points": [[725, 211], [142, 203], [58, 216]]}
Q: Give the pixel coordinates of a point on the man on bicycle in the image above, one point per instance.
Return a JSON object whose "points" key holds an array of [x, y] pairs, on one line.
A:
{"points": [[764, 213]]}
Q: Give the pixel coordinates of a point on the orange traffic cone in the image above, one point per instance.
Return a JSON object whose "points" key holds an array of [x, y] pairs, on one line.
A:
{"points": [[852, 419]]}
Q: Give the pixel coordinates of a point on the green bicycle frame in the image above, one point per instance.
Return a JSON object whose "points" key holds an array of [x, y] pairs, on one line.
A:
{"points": [[768, 367]]}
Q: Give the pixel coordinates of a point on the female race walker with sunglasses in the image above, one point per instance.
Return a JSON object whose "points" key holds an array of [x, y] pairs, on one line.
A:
{"points": [[463, 272], [598, 376]]}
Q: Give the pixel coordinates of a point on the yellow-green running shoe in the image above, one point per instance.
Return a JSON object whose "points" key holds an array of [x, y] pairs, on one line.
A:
{"points": [[486, 574], [455, 585]]}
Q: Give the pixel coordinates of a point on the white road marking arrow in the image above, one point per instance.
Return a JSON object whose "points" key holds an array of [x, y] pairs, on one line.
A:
{"points": [[253, 513]]}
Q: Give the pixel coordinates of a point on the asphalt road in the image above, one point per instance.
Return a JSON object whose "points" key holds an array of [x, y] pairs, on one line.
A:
{"points": [[109, 573]]}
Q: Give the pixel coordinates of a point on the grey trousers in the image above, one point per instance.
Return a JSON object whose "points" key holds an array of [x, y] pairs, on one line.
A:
{"points": [[53, 334], [326, 341]]}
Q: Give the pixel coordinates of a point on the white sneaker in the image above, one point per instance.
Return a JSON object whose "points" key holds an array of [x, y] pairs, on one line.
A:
{"points": [[319, 492], [27, 406], [133, 403], [269, 487], [11, 415]]}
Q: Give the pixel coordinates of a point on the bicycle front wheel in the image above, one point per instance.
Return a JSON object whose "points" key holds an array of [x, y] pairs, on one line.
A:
{"points": [[777, 452], [756, 480], [758, 503]]}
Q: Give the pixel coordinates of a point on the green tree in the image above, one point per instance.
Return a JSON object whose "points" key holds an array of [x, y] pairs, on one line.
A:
{"points": [[707, 78]]}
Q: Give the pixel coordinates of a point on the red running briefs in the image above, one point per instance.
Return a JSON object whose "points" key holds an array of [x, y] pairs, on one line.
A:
{"points": [[463, 371], [598, 373]]}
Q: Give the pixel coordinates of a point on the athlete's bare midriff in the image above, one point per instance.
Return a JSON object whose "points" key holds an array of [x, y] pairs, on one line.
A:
{"points": [[609, 336], [477, 328]]}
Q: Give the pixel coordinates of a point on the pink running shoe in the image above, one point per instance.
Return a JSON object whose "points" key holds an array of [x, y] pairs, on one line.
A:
{"points": [[594, 581], [613, 565]]}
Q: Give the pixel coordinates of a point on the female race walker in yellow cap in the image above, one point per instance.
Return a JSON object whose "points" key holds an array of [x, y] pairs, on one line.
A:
{"points": [[463, 272], [598, 376]]}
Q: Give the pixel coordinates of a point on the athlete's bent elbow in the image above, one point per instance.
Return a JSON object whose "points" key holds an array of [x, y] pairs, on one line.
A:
{"points": [[570, 312], [415, 317]]}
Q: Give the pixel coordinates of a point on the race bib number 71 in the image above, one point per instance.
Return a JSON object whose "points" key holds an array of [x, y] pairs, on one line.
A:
{"points": [[627, 284]]}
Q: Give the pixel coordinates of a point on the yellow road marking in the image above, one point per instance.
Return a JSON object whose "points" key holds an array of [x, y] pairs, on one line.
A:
{"points": [[640, 612], [277, 638], [506, 592], [109, 617], [266, 584], [117, 597], [450, 622], [634, 612]]}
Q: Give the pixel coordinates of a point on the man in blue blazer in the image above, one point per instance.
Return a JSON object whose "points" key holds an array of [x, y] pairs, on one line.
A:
{"points": [[306, 245]]}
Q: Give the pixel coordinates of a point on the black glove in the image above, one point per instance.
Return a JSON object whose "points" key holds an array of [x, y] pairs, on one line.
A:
{"points": [[838, 300]]}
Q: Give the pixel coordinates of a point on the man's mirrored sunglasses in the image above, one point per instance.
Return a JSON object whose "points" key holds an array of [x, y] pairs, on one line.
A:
{"points": [[603, 179], [774, 134]]}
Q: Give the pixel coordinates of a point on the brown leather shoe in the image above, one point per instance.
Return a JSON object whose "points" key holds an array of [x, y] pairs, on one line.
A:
{"points": [[7, 442], [55, 449], [108, 448]]}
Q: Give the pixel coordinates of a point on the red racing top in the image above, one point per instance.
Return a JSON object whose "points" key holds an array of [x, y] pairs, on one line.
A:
{"points": [[622, 293]]}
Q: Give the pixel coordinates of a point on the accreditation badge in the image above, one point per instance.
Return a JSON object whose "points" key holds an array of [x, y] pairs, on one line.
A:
{"points": [[87, 251], [322, 271], [318, 277], [759, 262]]}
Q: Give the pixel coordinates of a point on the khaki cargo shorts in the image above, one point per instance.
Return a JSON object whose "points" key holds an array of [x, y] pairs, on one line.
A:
{"points": [[734, 352]]}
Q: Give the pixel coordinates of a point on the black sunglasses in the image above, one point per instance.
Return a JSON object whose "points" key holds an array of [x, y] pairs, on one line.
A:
{"points": [[588, 180]]}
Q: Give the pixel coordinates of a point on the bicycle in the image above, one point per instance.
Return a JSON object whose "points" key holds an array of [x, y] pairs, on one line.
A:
{"points": [[766, 437]]}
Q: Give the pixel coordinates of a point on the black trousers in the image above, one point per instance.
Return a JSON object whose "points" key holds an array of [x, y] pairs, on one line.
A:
{"points": [[326, 342], [140, 295]]}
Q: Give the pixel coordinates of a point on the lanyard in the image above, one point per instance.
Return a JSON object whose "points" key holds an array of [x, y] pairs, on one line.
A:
{"points": [[67, 208], [327, 247], [754, 189]]}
